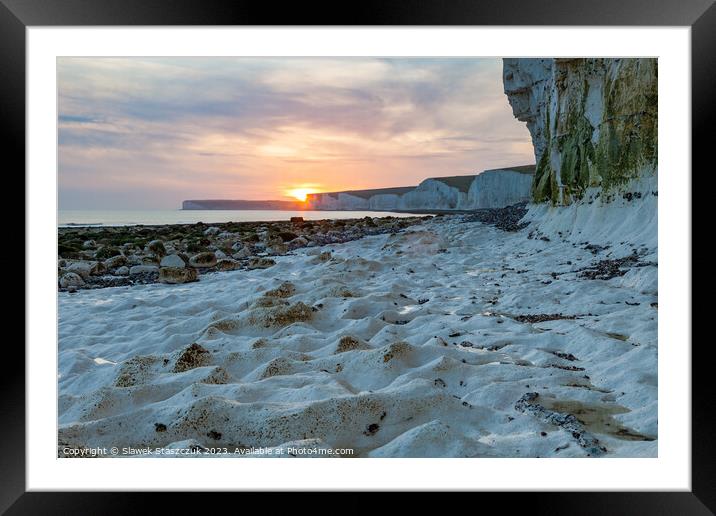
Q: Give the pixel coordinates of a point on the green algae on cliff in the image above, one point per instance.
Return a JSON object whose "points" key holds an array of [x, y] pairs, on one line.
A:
{"points": [[596, 120], [628, 139]]}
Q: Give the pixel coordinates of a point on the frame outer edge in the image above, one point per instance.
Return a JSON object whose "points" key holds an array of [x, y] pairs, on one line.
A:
{"points": [[703, 80], [12, 136]]}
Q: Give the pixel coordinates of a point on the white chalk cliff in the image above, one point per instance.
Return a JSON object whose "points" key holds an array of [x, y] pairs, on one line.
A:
{"points": [[490, 189], [593, 122]]}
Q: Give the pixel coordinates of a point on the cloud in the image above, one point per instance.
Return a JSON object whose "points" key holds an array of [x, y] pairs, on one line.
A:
{"points": [[247, 127]]}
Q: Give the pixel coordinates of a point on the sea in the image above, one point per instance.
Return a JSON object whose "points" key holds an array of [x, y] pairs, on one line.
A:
{"points": [[67, 218]]}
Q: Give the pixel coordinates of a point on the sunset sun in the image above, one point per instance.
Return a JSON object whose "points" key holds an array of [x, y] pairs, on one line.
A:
{"points": [[300, 193]]}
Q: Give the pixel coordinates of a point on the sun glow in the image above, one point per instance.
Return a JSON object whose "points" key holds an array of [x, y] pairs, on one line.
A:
{"points": [[301, 193]]}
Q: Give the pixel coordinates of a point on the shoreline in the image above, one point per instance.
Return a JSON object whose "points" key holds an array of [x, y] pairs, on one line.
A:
{"points": [[121, 218], [110, 256]]}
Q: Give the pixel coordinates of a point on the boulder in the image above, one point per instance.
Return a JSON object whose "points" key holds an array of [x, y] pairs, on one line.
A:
{"points": [[287, 236], [142, 269], [203, 260], [98, 269], [297, 243], [106, 252], [174, 275], [82, 269], [89, 244], [261, 263], [173, 260], [133, 259], [227, 264], [278, 248], [242, 253], [156, 247], [220, 255], [122, 271], [71, 279], [115, 261]]}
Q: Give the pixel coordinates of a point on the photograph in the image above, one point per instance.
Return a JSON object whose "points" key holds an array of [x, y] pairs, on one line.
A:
{"points": [[357, 257]]}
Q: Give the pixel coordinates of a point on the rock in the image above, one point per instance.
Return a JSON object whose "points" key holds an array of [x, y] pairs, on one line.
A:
{"points": [[98, 269], [173, 260], [174, 275], [122, 271], [212, 230], [220, 255], [287, 236], [156, 247], [243, 253], [227, 264], [238, 246], [297, 221], [82, 269], [89, 244], [297, 243], [133, 259], [261, 263], [62, 263], [278, 248], [71, 279], [203, 260], [142, 269], [106, 251], [115, 261]]}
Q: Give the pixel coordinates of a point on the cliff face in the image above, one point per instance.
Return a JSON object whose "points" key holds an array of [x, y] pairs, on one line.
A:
{"points": [[490, 189], [433, 193], [593, 121]]}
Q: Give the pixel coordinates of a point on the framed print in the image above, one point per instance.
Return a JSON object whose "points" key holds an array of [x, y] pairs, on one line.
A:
{"points": [[449, 242]]}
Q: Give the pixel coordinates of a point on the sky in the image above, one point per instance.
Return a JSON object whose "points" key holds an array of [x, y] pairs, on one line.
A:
{"points": [[147, 133]]}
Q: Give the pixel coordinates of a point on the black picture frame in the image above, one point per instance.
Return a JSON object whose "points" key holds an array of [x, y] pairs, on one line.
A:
{"points": [[700, 15]]}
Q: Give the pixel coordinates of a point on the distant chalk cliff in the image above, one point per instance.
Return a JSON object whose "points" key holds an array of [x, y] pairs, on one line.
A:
{"points": [[490, 189]]}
